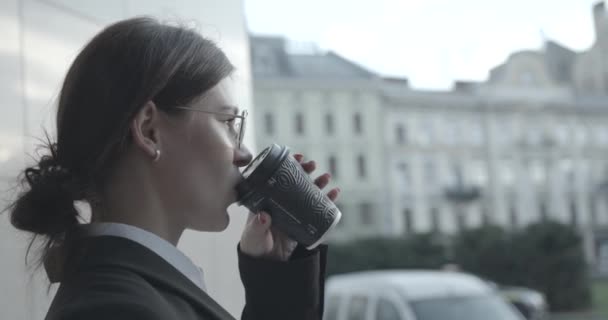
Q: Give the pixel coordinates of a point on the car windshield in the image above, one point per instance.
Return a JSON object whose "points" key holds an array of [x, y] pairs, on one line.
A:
{"points": [[464, 308]]}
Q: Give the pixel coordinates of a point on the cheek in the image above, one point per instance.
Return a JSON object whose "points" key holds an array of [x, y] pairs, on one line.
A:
{"points": [[215, 145], [212, 155]]}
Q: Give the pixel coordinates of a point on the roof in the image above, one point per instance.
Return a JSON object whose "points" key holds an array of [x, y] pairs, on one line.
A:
{"points": [[270, 59], [324, 65], [412, 285], [558, 61]]}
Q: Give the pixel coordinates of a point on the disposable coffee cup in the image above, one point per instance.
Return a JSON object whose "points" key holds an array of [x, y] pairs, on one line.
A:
{"points": [[275, 182]]}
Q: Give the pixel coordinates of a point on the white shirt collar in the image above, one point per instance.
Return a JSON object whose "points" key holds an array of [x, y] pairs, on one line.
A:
{"points": [[158, 245]]}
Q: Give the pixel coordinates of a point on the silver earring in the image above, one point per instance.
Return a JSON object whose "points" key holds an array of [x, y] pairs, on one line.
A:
{"points": [[157, 156]]}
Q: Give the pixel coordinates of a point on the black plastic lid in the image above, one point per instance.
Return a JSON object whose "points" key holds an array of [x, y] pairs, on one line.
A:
{"points": [[261, 169]]}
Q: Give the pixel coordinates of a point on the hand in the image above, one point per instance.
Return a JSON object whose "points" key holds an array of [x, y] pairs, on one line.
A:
{"points": [[261, 239]]}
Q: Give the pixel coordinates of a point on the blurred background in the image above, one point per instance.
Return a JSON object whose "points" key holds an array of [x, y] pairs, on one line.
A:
{"points": [[465, 135]]}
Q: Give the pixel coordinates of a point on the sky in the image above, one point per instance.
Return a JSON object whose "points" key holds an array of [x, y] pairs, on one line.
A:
{"points": [[431, 42]]}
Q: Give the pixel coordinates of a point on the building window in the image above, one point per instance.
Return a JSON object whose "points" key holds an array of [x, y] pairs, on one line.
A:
{"points": [[333, 167], [409, 220], [562, 135], [365, 211], [457, 174], [429, 172], [593, 210], [580, 135], [461, 219], [299, 123], [603, 136], [476, 134], [448, 131], [358, 123], [435, 223], [573, 214], [329, 123], [513, 216], [538, 172], [485, 214], [479, 172], [507, 173], [361, 168], [504, 131], [544, 213], [427, 128], [400, 134], [404, 177], [269, 123], [534, 136]]}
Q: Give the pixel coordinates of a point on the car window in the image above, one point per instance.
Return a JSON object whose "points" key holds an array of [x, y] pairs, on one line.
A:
{"points": [[464, 308], [332, 306], [357, 306], [386, 310]]}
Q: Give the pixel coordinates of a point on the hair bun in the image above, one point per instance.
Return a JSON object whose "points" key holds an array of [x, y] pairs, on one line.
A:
{"points": [[48, 206]]}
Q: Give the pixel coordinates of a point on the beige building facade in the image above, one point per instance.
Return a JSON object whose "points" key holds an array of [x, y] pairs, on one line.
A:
{"points": [[527, 144]]}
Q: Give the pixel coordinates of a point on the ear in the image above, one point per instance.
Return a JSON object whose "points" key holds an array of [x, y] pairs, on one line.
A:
{"points": [[145, 129]]}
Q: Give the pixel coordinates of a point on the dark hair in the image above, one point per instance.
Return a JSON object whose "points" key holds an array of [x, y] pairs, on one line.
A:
{"points": [[124, 66]]}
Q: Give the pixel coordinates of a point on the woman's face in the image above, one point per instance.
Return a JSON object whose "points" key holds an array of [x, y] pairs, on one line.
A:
{"points": [[201, 160]]}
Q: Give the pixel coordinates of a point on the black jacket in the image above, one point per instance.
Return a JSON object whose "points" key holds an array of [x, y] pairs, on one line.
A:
{"points": [[110, 277]]}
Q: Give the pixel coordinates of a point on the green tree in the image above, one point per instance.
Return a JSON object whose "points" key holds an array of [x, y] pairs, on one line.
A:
{"points": [[552, 261], [416, 251]]}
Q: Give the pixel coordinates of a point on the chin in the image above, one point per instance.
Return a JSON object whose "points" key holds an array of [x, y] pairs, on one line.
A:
{"points": [[221, 224], [217, 225], [226, 223]]}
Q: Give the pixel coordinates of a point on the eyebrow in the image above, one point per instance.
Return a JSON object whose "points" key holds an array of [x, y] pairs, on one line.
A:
{"points": [[229, 108]]}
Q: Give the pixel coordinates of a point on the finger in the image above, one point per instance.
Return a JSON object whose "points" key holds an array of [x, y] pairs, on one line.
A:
{"points": [[309, 166], [299, 157], [279, 236], [250, 217], [260, 223], [254, 239], [323, 180], [333, 194]]}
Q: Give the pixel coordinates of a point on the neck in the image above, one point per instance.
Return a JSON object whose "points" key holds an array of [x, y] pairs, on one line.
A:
{"points": [[132, 199]]}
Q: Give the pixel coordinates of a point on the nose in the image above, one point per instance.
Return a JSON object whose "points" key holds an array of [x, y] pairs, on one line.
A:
{"points": [[242, 156]]}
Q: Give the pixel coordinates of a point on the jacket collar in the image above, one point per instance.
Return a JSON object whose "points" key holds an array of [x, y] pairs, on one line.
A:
{"points": [[111, 251]]}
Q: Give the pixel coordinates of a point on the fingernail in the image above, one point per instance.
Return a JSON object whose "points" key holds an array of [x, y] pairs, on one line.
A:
{"points": [[262, 219]]}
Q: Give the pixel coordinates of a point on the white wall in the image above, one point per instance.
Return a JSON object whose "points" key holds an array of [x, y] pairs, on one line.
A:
{"points": [[39, 40]]}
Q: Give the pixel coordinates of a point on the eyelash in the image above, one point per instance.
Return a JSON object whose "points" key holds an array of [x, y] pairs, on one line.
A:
{"points": [[230, 123]]}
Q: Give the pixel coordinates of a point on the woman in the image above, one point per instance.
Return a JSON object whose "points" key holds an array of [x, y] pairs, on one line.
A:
{"points": [[149, 135]]}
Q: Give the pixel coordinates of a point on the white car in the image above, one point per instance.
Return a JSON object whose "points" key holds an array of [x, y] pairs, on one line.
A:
{"points": [[414, 295]]}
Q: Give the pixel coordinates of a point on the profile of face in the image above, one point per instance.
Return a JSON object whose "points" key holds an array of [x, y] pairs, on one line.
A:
{"points": [[198, 169]]}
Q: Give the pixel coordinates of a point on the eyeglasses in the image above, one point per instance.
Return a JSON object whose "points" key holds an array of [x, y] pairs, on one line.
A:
{"points": [[238, 122]]}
